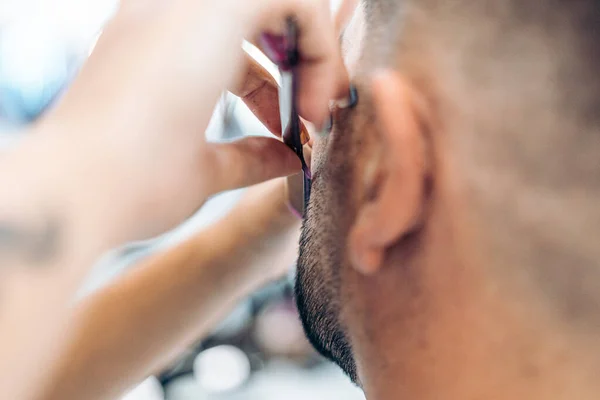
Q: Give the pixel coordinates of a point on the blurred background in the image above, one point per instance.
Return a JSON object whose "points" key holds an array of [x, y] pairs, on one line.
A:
{"points": [[259, 351]]}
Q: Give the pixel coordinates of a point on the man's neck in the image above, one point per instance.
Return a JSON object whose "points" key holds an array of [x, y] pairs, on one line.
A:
{"points": [[455, 336], [438, 322]]}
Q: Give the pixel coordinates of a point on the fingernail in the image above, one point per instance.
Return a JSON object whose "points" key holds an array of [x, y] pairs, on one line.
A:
{"points": [[349, 101]]}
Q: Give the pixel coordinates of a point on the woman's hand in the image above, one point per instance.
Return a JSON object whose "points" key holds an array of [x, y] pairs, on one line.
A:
{"points": [[123, 156], [137, 113]]}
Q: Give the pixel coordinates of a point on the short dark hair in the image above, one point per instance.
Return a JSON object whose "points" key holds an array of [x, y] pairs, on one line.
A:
{"points": [[515, 86]]}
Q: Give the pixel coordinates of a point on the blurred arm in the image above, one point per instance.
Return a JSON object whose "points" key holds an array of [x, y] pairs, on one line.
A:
{"points": [[136, 326], [50, 226]]}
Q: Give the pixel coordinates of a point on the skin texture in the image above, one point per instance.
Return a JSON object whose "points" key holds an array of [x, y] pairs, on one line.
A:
{"points": [[123, 157], [444, 253]]}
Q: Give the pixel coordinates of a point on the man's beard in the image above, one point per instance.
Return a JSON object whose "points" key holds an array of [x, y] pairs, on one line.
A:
{"points": [[317, 299]]}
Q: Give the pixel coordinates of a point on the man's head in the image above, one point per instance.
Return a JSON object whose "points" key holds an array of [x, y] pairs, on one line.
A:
{"points": [[450, 249]]}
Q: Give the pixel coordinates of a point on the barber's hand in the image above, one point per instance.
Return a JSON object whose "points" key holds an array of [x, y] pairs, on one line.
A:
{"points": [[136, 115]]}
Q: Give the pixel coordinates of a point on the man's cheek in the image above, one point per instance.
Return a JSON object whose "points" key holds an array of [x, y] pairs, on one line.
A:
{"points": [[318, 154]]}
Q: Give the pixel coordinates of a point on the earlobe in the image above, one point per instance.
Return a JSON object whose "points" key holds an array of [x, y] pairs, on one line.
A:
{"points": [[394, 177]]}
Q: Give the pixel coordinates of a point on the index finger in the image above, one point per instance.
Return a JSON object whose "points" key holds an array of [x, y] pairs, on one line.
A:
{"points": [[321, 71], [260, 92]]}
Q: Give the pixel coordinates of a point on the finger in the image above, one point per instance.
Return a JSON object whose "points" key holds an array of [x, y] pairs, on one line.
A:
{"points": [[322, 81], [321, 73], [317, 88], [260, 92], [249, 161], [140, 8]]}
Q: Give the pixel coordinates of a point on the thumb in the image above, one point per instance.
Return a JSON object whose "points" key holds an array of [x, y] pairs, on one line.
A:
{"points": [[249, 161]]}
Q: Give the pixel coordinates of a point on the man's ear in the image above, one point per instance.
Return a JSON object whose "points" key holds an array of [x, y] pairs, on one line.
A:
{"points": [[394, 176]]}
